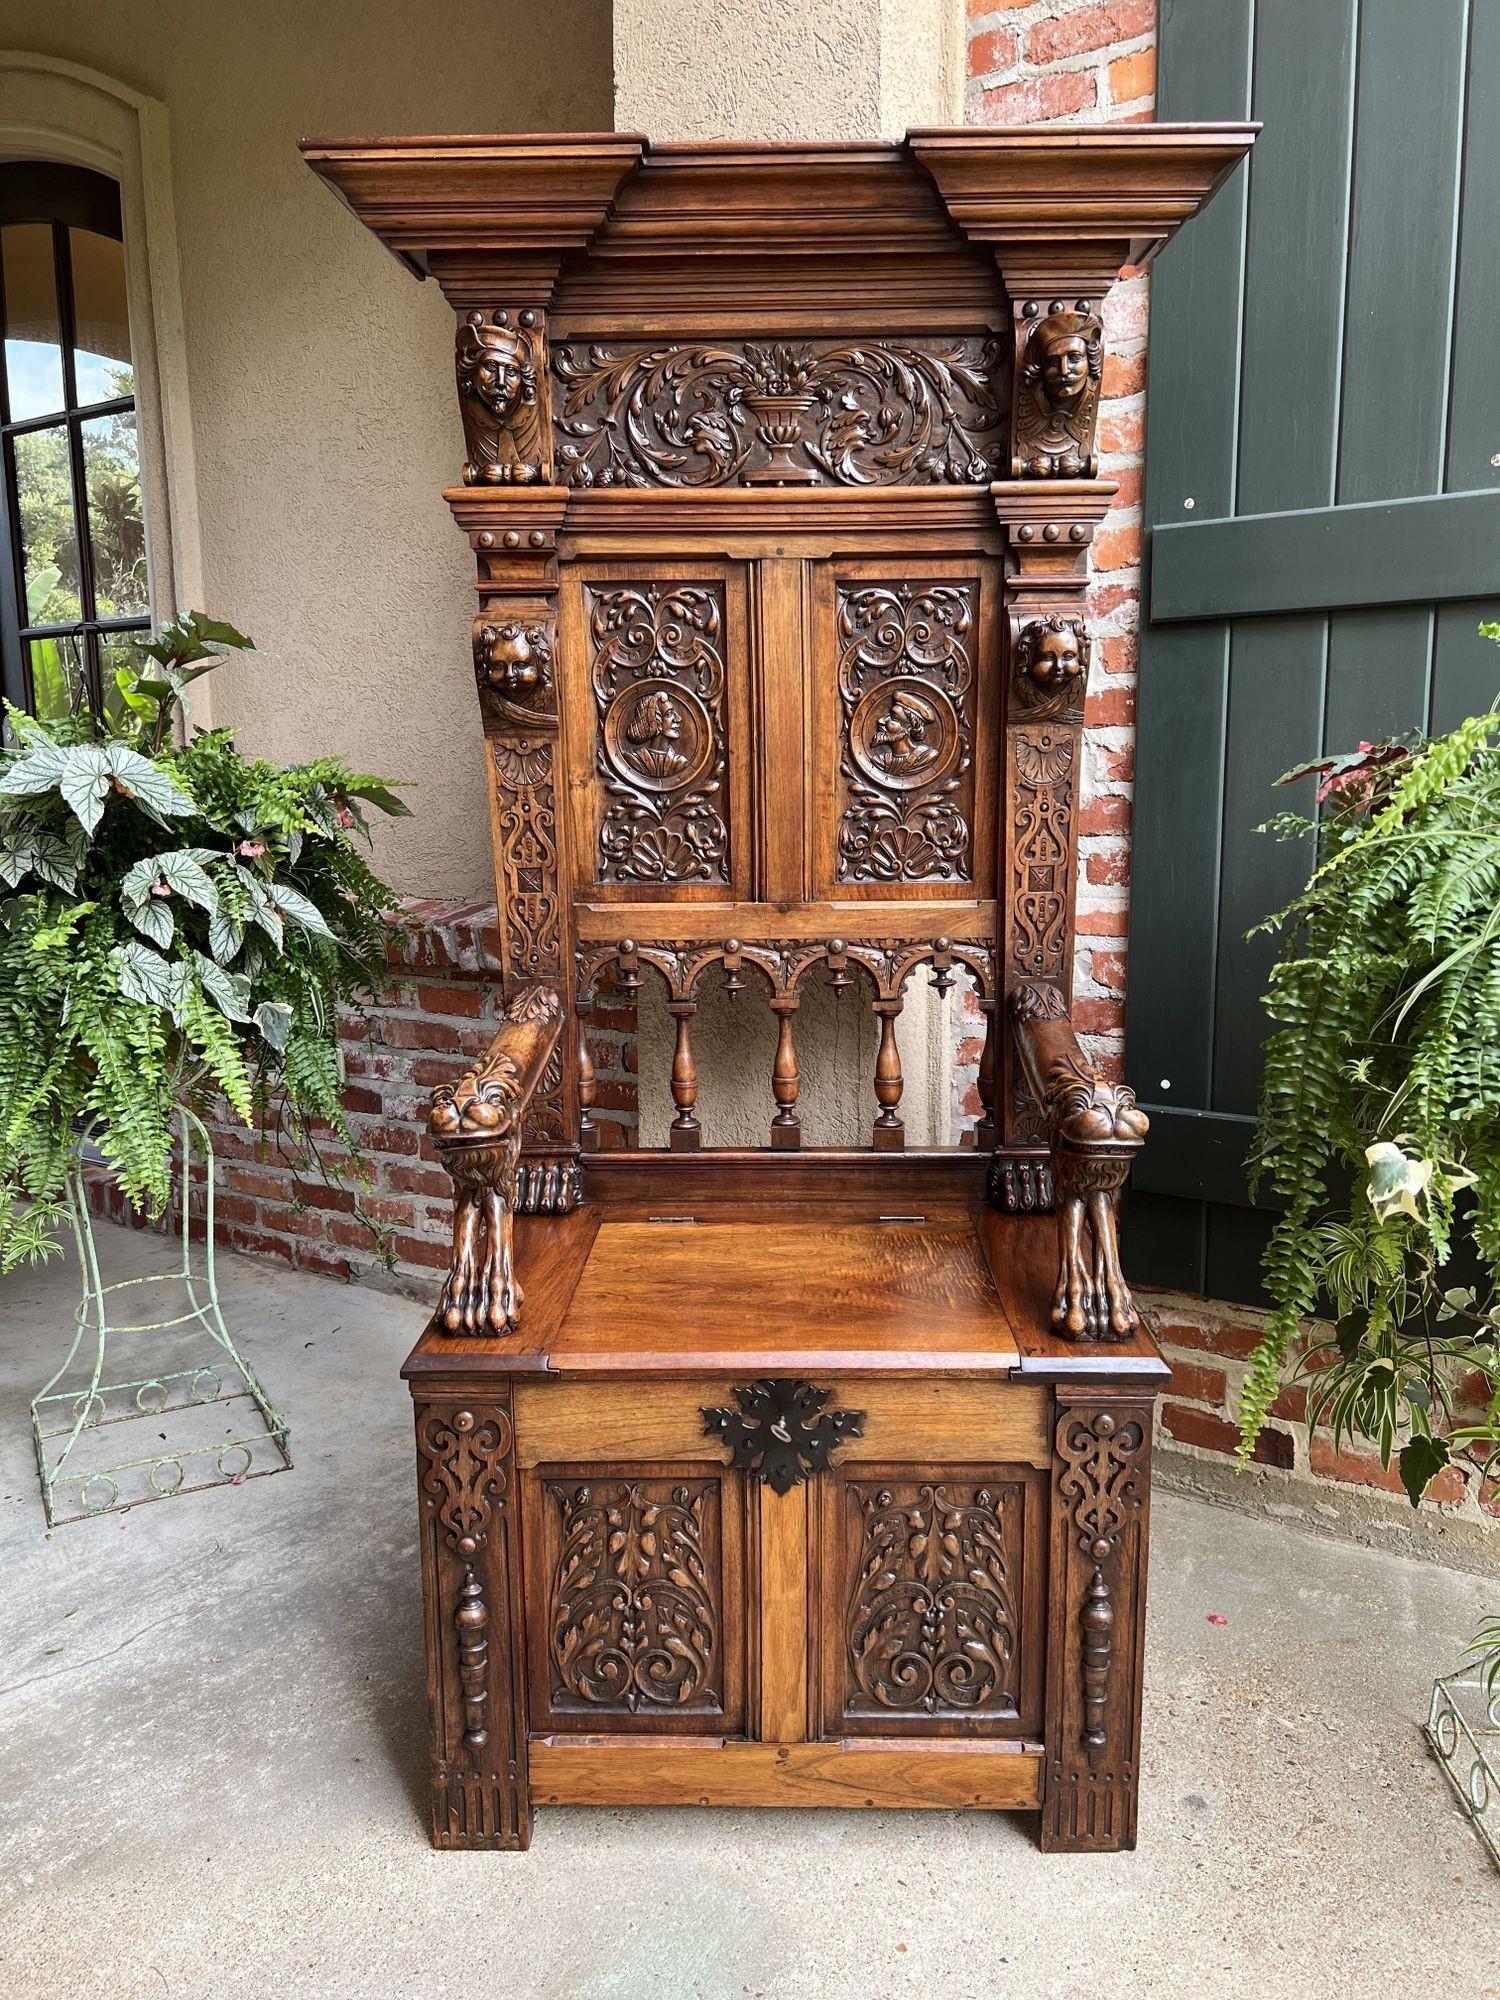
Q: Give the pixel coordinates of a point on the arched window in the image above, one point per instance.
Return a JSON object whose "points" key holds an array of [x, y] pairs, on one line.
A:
{"points": [[73, 560]]}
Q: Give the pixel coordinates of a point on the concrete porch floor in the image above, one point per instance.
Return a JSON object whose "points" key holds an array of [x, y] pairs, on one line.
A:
{"points": [[213, 1722]]}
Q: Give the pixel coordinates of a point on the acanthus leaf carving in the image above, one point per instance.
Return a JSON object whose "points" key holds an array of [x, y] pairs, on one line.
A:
{"points": [[658, 679], [905, 677], [932, 1624], [633, 1620], [879, 413]]}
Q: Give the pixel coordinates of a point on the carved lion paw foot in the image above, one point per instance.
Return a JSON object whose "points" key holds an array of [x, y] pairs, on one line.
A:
{"points": [[502, 1302]]}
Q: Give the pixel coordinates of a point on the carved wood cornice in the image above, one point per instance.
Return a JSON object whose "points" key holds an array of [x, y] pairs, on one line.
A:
{"points": [[1054, 200], [452, 207]]}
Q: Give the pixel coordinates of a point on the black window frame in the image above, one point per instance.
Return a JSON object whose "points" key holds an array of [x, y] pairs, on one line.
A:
{"points": [[62, 197]]}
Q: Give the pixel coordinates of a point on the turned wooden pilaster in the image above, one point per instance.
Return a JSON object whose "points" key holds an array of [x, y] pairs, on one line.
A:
{"points": [[1101, 1490], [476, 1683]]}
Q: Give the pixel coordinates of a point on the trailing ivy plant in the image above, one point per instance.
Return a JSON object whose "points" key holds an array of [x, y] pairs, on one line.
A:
{"points": [[178, 922], [1379, 1119]]}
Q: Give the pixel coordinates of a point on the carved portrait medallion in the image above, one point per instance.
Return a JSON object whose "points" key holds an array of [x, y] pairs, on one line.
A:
{"points": [[658, 736], [904, 733]]}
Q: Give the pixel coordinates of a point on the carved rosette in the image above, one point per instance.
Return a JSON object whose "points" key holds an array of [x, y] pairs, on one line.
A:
{"points": [[501, 362], [657, 671], [465, 1481], [932, 1625], [1059, 369], [632, 1620], [906, 678], [1101, 1483], [884, 413]]}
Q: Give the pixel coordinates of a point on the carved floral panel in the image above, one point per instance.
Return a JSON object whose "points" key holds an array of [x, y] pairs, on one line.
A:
{"points": [[657, 672], [906, 692], [880, 412], [932, 1626], [633, 1612]]}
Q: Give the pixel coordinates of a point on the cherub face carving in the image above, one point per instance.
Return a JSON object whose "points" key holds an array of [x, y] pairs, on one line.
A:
{"points": [[1052, 657], [512, 659]]}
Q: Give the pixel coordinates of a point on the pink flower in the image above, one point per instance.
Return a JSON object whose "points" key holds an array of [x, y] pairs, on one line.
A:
{"points": [[344, 817], [252, 850], [160, 888]]}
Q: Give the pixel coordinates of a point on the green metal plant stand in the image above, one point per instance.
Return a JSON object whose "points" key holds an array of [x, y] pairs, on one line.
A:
{"points": [[192, 1413]]}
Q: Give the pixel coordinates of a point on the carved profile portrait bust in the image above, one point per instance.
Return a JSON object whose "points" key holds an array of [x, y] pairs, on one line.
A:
{"points": [[498, 395], [1060, 380], [898, 742], [1052, 661], [654, 733]]}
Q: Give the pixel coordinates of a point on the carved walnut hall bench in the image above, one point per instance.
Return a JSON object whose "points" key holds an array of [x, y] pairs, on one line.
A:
{"points": [[784, 1475]]}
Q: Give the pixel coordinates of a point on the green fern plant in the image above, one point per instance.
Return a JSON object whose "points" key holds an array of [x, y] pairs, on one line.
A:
{"points": [[1379, 1125], [178, 924]]}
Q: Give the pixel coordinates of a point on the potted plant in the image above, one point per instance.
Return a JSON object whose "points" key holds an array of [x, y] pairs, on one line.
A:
{"points": [[179, 923], [1379, 1126], [179, 928]]}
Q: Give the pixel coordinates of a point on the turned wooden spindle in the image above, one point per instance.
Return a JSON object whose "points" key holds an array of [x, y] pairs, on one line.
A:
{"points": [[889, 1134], [984, 1128], [786, 1127], [588, 1088], [685, 1135]]}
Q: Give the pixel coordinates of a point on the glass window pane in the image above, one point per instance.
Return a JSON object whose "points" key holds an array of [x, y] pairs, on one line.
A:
{"points": [[33, 347], [116, 651], [101, 351], [49, 543], [112, 476], [59, 682]]}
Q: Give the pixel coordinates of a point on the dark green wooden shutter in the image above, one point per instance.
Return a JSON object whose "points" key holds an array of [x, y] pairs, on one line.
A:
{"points": [[1322, 507]]}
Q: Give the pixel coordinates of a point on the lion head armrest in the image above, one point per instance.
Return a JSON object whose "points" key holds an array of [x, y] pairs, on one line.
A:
{"points": [[1095, 1129], [476, 1127]]}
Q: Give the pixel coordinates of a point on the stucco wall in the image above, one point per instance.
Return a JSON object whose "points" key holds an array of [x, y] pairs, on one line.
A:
{"points": [[319, 372]]}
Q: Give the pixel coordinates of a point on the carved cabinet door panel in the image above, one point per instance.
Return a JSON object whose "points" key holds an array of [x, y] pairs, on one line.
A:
{"points": [[635, 1589], [656, 729], [906, 717], [931, 1611]]}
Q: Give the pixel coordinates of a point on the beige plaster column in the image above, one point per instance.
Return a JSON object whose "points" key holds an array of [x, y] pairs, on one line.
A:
{"points": [[787, 69]]}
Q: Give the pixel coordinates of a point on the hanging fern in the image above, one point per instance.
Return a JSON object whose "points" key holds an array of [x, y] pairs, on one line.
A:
{"points": [[1379, 1124], [178, 925]]}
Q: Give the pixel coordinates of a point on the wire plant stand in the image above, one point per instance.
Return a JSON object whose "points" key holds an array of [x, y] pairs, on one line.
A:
{"points": [[90, 1454], [1463, 1728]]}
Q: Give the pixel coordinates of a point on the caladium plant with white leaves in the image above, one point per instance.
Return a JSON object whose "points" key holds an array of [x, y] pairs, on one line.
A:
{"points": [[177, 922]]}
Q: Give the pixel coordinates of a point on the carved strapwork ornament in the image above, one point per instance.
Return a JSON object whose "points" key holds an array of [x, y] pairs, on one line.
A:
{"points": [[1048, 530], [1100, 1498], [501, 361], [1059, 369], [466, 1483], [515, 654]]}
